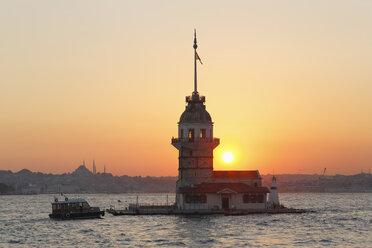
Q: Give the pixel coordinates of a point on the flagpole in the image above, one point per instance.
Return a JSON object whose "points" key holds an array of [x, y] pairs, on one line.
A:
{"points": [[195, 75]]}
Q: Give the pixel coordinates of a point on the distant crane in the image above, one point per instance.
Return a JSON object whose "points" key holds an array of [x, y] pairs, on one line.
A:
{"points": [[320, 177]]}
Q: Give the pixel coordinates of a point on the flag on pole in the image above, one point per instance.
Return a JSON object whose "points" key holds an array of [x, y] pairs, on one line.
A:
{"points": [[198, 58]]}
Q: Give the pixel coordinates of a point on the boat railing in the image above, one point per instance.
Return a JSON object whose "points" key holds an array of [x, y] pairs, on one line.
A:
{"points": [[150, 205], [197, 206]]}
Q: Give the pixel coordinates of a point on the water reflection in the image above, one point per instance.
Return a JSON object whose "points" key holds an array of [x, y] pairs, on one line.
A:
{"points": [[196, 229], [339, 220]]}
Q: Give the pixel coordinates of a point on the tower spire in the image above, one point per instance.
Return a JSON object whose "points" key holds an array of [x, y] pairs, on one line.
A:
{"points": [[195, 58]]}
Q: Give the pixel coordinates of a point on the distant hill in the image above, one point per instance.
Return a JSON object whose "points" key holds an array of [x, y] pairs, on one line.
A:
{"points": [[84, 181], [6, 189], [318, 183], [80, 181]]}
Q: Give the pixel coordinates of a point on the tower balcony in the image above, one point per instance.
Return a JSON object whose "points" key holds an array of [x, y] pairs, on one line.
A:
{"points": [[178, 142], [195, 140]]}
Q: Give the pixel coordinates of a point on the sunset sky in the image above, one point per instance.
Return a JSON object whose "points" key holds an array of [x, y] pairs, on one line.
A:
{"points": [[288, 84]]}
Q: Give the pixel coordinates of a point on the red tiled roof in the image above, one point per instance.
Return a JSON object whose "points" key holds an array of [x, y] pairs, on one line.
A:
{"points": [[216, 187], [237, 174]]}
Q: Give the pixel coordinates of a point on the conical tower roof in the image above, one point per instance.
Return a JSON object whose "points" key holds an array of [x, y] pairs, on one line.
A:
{"points": [[195, 111]]}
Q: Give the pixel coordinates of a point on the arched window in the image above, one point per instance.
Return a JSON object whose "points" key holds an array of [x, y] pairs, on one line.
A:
{"points": [[202, 133], [191, 135]]}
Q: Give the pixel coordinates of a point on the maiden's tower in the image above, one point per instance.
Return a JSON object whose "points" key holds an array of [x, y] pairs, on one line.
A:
{"points": [[199, 187]]}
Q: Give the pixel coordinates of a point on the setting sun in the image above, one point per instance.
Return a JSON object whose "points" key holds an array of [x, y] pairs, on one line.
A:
{"points": [[227, 157]]}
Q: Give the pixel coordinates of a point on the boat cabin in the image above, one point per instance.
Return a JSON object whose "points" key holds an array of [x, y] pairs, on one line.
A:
{"points": [[70, 206]]}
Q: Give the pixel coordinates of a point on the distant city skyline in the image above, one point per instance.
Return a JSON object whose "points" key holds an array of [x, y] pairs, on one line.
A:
{"points": [[103, 171], [81, 180], [288, 84]]}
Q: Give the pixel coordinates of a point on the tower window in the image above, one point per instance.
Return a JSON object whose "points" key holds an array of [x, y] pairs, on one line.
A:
{"points": [[191, 135], [181, 134], [202, 133], [190, 153]]}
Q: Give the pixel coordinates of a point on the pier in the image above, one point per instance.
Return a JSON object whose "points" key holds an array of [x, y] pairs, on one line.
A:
{"points": [[164, 209]]}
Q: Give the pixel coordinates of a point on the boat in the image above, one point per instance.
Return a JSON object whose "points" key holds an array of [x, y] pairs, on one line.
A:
{"points": [[77, 208]]}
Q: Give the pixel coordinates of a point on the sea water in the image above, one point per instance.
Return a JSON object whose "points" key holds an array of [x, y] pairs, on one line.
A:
{"points": [[334, 220]]}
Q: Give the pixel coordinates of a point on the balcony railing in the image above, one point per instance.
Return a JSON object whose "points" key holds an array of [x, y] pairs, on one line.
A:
{"points": [[195, 140], [195, 98]]}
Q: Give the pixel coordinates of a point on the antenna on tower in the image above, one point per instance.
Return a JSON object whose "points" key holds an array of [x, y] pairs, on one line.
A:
{"points": [[195, 58]]}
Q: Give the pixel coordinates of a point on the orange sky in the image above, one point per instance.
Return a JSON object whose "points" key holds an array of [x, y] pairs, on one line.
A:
{"points": [[288, 85]]}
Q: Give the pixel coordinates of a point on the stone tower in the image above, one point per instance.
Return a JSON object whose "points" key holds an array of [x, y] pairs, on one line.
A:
{"points": [[195, 141]]}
